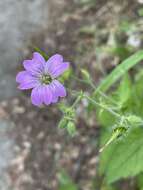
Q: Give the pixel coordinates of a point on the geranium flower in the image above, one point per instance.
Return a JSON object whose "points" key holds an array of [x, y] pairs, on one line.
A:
{"points": [[41, 76]]}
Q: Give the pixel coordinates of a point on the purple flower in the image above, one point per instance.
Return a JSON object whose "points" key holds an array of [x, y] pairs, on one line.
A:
{"points": [[41, 76]]}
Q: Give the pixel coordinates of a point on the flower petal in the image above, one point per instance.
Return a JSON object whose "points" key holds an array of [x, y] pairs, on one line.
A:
{"points": [[57, 90], [27, 85], [52, 87], [60, 89], [38, 58], [26, 80], [61, 68], [33, 67], [23, 76], [36, 96], [53, 62], [46, 95], [55, 59], [40, 95]]}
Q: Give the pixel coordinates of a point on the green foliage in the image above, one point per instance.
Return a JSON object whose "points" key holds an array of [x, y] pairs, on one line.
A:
{"points": [[119, 71], [63, 123], [124, 90], [65, 182], [140, 12], [134, 120], [125, 26], [71, 128], [85, 74], [65, 75], [89, 3], [68, 120], [123, 158], [119, 50], [140, 181]]}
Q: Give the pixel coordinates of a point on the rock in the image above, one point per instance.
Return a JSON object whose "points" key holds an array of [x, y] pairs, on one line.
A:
{"points": [[19, 20]]}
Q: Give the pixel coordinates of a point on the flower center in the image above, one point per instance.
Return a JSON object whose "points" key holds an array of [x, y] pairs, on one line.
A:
{"points": [[46, 79]]}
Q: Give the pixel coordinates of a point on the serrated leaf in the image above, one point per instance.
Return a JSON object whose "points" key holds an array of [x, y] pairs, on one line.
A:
{"points": [[134, 120], [124, 158]]}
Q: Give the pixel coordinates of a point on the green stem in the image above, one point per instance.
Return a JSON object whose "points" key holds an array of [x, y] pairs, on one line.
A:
{"points": [[100, 92], [102, 106], [79, 97]]}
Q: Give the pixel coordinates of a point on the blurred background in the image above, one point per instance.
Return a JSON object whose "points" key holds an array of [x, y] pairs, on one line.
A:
{"points": [[92, 34]]}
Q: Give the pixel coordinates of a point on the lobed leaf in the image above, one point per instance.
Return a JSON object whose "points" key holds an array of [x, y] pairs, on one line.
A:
{"points": [[124, 158]]}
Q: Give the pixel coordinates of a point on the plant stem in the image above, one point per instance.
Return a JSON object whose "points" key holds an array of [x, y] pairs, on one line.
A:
{"points": [[79, 97], [102, 106]]}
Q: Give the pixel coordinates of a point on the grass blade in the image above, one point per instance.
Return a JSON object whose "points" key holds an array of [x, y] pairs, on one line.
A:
{"points": [[119, 71]]}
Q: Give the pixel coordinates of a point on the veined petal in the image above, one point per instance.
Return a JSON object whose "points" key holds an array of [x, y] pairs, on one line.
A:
{"points": [[38, 58], [23, 76], [46, 95], [36, 96], [26, 80], [52, 88], [53, 62], [61, 68], [33, 67], [41, 95], [55, 59], [60, 89], [27, 85]]}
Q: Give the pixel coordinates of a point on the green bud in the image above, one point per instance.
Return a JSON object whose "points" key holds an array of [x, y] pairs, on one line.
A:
{"points": [[67, 111], [115, 134], [71, 128], [119, 131], [62, 124], [70, 112], [85, 74]]}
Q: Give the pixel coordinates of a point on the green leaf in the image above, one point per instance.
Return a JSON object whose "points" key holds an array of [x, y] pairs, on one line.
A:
{"points": [[124, 90], [65, 182], [134, 120], [121, 51], [124, 158], [105, 118], [140, 12], [140, 181], [119, 71]]}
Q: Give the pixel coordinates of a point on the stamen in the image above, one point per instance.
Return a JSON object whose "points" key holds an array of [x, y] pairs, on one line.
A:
{"points": [[46, 79]]}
